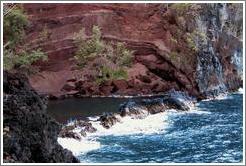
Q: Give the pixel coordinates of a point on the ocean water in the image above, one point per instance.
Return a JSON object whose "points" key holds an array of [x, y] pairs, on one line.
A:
{"points": [[212, 131]]}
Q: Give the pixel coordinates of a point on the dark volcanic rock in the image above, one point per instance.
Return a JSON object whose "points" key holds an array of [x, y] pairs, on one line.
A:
{"points": [[87, 126], [30, 135], [140, 109], [70, 134], [108, 120]]}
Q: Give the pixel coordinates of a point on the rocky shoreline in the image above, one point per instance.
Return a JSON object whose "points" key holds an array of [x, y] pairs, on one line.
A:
{"points": [[29, 133], [179, 101]]}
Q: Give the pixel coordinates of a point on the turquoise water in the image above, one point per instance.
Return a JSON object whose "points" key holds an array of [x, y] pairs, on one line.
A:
{"points": [[212, 133]]}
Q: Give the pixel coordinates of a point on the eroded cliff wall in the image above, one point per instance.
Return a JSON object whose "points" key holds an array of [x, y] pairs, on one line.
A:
{"points": [[195, 47]]}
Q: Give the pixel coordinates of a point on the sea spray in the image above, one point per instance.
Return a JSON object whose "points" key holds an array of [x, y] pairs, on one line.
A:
{"points": [[142, 118]]}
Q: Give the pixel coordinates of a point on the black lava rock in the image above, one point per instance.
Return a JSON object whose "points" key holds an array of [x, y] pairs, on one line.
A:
{"points": [[30, 135]]}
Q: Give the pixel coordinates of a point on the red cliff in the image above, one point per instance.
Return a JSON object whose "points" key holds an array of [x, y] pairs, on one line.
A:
{"points": [[164, 57]]}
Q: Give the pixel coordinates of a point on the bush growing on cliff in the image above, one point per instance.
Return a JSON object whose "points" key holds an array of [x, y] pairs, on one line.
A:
{"points": [[44, 34], [125, 56], [15, 53], [191, 42], [88, 49], [23, 60], [14, 24], [114, 53], [108, 74]]}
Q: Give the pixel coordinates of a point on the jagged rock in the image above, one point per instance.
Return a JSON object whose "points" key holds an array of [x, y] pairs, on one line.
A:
{"points": [[87, 126], [70, 134], [108, 120], [30, 134], [173, 103], [133, 110], [140, 109], [83, 133]]}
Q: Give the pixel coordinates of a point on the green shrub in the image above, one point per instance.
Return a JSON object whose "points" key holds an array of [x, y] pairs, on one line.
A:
{"points": [[108, 74], [45, 33], [181, 8], [23, 60], [14, 24], [191, 42], [93, 47], [124, 56], [26, 59], [9, 59], [173, 40], [88, 49]]}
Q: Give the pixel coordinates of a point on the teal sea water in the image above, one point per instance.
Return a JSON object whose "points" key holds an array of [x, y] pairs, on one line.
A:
{"points": [[211, 132]]}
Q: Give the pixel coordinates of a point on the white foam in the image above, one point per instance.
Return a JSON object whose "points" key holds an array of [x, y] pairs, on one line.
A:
{"points": [[194, 110], [240, 91], [221, 96], [78, 147], [151, 124]]}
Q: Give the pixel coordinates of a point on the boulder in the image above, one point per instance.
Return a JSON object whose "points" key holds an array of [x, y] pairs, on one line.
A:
{"points": [[69, 86], [120, 85], [87, 126], [107, 120]]}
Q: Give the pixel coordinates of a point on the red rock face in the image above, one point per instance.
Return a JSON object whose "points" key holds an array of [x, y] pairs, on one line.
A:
{"points": [[148, 29]]}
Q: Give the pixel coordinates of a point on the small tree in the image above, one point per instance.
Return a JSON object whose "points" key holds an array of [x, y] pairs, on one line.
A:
{"points": [[113, 54], [124, 56], [88, 49], [14, 24]]}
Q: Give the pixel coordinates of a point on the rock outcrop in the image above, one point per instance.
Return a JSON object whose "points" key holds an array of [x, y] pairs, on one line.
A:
{"points": [[141, 109], [29, 134], [189, 47]]}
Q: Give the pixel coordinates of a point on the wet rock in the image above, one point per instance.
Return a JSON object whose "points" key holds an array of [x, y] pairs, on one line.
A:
{"points": [[70, 134], [133, 110], [30, 134], [83, 133], [107, 120], [87, 126], [172, 103]]}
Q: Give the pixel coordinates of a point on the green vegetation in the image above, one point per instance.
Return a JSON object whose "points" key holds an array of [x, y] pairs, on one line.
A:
{"points": [[191, 42], [173, 40], [190, 39], [88, 49], [202, 36], [108, 74], [22, 60], [25, 59], [44, 34], [123, 55], [181, 8], [14, 25], [93, 47]]}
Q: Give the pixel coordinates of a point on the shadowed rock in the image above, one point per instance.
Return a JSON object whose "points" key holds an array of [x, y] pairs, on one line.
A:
{"points": [[30, 135]]}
